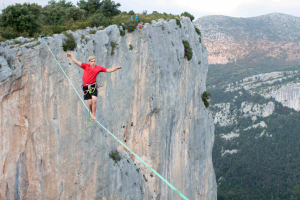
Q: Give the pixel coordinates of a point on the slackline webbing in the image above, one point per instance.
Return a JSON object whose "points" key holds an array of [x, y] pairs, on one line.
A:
{"points": [[162, 178]]}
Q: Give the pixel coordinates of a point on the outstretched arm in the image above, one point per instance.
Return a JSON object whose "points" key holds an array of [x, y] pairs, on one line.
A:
{"points": [[73, 59], [113, 69]]}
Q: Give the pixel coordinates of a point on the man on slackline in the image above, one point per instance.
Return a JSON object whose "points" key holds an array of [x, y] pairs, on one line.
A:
{"points": [[89, 86]]}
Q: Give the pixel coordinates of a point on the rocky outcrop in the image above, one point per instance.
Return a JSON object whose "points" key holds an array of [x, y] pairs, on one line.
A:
{"points": [[283, 86], [153, 105], [229, 39]]}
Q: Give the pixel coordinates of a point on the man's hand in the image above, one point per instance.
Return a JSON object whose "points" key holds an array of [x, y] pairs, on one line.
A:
{"points": [[69, 55], [120, 67]]}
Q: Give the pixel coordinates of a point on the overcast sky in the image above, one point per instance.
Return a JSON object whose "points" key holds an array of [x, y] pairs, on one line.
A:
{"points": [[234, 8]]}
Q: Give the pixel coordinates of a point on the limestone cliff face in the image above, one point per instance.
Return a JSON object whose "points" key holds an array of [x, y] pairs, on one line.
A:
{"points": [[153, 105]]}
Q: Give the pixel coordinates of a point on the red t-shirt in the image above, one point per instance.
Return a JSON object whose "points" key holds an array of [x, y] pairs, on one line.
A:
{"points": [[90, 73]]}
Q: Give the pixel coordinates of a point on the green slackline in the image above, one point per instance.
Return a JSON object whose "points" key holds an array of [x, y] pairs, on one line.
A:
{"points": [[162, 178]]}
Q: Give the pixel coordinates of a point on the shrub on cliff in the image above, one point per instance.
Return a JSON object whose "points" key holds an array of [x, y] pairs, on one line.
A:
{"points": [[8, 33], [178, 22], [131, 25], [205, 98], [122, 32], [97, 20], [187, 50], [198, 31], [69, 43], [186, 14], [115, 155]]}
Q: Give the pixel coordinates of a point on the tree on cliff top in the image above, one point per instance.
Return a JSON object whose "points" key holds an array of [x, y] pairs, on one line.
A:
{"points": [[107, 8], [22, 18], [186, 14]]}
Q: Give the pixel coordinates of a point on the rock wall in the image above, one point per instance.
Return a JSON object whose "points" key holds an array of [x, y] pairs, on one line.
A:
{"points": [[153, 105]]}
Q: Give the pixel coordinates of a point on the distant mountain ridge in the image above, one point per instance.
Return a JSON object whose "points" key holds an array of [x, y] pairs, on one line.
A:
{"points": [[254, 81], [229, 38]]}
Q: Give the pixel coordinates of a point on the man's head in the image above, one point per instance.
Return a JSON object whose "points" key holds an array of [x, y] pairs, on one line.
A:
{"points": [[92, 61]]}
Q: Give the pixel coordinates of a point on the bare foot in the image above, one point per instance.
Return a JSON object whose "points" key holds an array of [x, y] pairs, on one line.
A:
{"points": [[93, 117]]}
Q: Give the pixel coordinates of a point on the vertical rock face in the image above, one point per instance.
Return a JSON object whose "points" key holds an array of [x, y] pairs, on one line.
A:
{"points": [[153, 105]]}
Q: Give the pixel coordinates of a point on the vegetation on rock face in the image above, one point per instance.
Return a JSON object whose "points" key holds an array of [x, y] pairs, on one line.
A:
{"points": [[115, 156], [113, 46], [122, 32], [178, 22], [131, 25], [198, 31], [69, 43], [187, 50], [205, 98], [186, 14]]}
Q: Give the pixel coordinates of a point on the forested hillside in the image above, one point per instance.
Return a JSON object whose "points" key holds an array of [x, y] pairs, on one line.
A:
{"points": [[254, 85], [256, 153]]}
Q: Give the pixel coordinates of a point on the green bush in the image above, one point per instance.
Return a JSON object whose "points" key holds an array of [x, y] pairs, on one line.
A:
{"points": [[97, 20], [9, 62], [69, 43], [9, 33], [56, 29], [199, 40], [17, 42], [122, 32], [205, 98], [186, 14], [187, 50], [116, 21], [93, 31], [115, 156], [113, 46], [178, 22], [198, 31], [83, 25], [131, 25], [131, 12], [75, 13], [109, 8], [2, 39], [90, 6], [130, 47], [23, 17]]}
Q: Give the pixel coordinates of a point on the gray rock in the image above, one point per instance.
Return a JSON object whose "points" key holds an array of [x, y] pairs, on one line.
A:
{"points": [[153, 105]]}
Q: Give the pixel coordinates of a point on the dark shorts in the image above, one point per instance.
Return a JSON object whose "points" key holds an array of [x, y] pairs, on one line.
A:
{"points": [[87, 95]]}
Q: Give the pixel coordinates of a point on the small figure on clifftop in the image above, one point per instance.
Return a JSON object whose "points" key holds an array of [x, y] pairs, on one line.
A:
{"points": [[136, 17], [89, 85], [141, 26], [131, 19]]}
